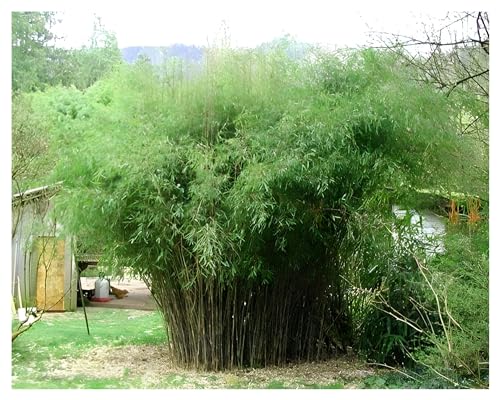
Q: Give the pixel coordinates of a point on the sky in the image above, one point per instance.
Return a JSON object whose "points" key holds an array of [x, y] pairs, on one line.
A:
{"points": [[246, 23], [245, 26]]}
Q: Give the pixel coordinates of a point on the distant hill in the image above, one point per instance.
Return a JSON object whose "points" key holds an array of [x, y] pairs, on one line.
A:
{"points": [[157, 55]]}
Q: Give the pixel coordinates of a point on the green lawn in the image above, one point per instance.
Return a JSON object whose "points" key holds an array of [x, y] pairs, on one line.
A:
{"points": [[127, 349], [59, 336]]}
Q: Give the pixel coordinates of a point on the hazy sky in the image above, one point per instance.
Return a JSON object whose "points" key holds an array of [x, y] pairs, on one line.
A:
{"points": [[244, 26], [246, 23]]}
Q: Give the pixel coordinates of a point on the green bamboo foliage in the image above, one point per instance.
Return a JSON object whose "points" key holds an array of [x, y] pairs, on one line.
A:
{"points": [[230, 187]]}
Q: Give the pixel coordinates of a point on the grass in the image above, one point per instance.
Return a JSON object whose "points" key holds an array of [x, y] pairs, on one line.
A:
{"points": [[78, 382], [107, 326], [275, 385], [64, 335], [60, 342]]}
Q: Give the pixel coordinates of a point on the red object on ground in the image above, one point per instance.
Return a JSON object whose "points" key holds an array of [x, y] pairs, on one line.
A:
{"points": [[101, 299]]}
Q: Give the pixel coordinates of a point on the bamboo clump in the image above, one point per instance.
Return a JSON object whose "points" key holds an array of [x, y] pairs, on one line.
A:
{"points": [[218, 326], [239, 191]]}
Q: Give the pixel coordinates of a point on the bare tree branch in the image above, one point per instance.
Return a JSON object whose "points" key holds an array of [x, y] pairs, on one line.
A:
{"points": [[468, 78]]}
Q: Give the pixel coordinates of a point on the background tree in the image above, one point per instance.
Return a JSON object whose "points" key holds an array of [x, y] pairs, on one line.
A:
{"points": [[453, 56], [38, 64], [32, 43], [30, 143], [85, 66]]}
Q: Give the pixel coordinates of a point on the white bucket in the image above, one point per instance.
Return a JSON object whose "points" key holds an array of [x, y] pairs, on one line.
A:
{"points": [[101, 288]]}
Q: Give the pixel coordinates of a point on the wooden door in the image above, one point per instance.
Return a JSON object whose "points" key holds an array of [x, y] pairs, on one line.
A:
{"points": [[50, 273]]}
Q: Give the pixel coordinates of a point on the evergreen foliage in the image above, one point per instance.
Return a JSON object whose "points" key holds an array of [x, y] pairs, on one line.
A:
{"points": [[250, 191]]}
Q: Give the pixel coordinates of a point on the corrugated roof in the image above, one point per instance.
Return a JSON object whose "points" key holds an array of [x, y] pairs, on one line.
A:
{"points": [[32, 194]]}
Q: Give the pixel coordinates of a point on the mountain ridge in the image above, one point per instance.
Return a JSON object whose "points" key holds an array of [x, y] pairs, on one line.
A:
{"points": [[158, 54]]}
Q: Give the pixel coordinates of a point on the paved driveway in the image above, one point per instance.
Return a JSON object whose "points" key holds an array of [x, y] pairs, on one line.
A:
{"points": [[138, 297]]}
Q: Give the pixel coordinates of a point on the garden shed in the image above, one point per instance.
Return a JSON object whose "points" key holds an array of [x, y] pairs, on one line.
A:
{"points": [[44, 273]]}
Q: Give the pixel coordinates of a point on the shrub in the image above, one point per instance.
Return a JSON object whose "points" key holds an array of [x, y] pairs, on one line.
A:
{"points": [[386, 285], [460, 278]]}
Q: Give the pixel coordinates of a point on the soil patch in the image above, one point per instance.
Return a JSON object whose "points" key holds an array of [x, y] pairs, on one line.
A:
{"points": [[153, 364]]}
